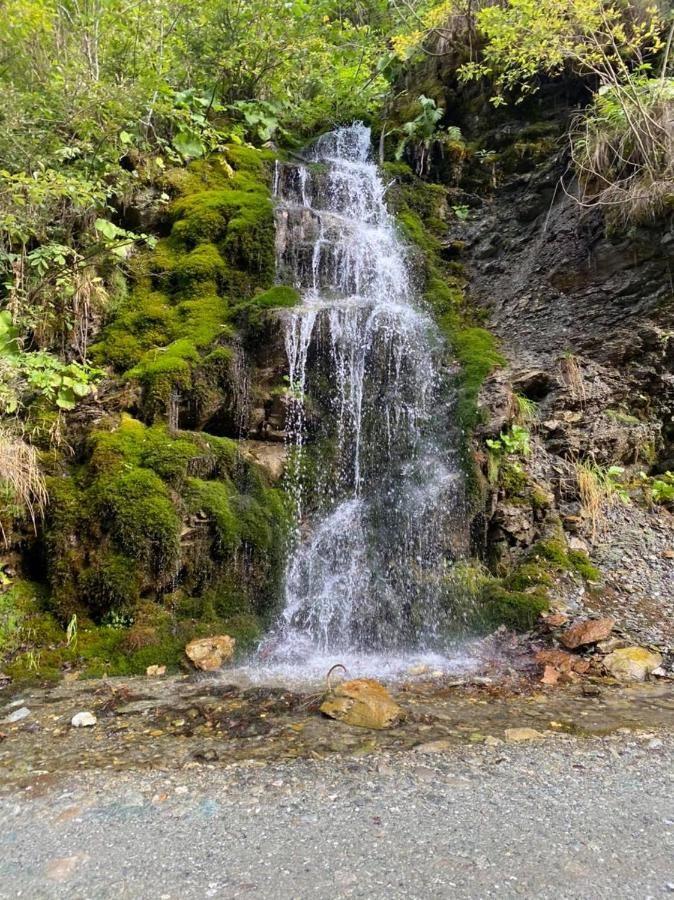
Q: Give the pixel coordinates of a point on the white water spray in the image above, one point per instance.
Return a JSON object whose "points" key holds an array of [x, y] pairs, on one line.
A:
{"points": [[366, 385]]}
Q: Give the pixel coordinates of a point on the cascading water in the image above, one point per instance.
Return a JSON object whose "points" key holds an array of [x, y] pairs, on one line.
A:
{"points": [[369, 406]]}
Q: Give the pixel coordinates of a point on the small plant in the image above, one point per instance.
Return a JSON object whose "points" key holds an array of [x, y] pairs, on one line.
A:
{"points": [[659, 489], [598, 488], [71, 632], [574, 379], [511, 443], [527, 410]]}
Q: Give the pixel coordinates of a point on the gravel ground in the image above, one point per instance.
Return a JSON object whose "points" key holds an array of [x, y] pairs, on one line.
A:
{"points": [[559, 819]]}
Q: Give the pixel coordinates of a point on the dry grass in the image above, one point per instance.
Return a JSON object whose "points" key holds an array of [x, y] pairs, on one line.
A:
{"points": [[573, 378], [623, 151], [21, 479]]}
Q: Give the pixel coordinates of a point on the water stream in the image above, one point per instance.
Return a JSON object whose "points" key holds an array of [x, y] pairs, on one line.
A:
{"points": [[369, 420]]}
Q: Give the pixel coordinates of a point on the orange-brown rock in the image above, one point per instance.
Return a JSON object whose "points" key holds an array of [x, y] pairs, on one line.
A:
{"points": [[558, 659], [587, 632], [363, 702], [211, 653], [550, 675], [555, 620]]}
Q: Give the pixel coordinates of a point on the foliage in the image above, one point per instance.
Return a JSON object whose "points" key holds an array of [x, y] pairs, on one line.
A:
{"points": [[659, 488], [419, 135], [511, 443], [622, 145]]}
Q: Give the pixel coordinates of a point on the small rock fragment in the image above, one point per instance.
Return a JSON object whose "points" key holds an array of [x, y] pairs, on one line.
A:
{"points": [[491, 741], [515, 735], [558, 659], [16, 716], [555, 620], [668, 553], [632, 663], [550, 675], [440, 746], [210, 654], [83, 720], [588, 632], [155, 671]]}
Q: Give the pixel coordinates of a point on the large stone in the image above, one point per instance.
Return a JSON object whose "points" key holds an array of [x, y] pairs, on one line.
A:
{"points": [[632, 663], [211, 653], [363, 702], [588, 632]]}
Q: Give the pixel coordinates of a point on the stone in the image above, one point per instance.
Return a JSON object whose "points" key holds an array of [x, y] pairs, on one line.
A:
{"points": [[613, 643], [440, 746], [668, 553], [516, 735], [211, 653], [492, 741], [83, 720], [555, 620], [558, 659], [632, 663], [22, 713], [155, 671], [576, 543], [589, 631], [363, 702], [550, 675]]}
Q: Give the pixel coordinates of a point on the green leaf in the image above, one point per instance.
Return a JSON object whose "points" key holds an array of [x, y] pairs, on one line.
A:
{"points": [[108, 229], [189, 146]]}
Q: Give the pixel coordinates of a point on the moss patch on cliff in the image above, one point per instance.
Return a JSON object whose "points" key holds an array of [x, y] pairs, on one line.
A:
{"points": [[207, 282], [153, 538]]}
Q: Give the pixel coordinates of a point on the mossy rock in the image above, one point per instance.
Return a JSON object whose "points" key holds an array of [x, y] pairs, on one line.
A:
{"points": [[517, 610]]}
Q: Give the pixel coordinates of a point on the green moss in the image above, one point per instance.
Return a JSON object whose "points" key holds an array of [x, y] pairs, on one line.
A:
{"points": [[556, 553], [204, 263], [527, 575], [215, 500], [580, 562], [111, 582], [514, 609], [142, 519]]}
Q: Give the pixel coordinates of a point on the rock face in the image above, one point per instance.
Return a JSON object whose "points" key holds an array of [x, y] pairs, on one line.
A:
{"points": [[588, 632], [363, 702], [210, 654], [632, 663]]}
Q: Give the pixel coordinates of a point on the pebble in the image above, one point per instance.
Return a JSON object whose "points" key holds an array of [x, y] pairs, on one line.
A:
{"points": [[16, 716], [83, 720]]}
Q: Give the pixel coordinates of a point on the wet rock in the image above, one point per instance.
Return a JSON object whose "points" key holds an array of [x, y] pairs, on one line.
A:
{"points": [[210, 654], [558, 659], [516, 521], [516, 735], [440, 746], [632, 663], [83, 720], [363, 702], [588, 632], [22, 713]]}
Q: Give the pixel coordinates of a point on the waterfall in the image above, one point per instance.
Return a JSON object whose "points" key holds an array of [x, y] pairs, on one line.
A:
{"points": [[370, 404]]}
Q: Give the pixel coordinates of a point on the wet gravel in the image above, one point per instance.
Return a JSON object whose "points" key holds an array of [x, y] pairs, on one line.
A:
{"points": [[565, 818]]}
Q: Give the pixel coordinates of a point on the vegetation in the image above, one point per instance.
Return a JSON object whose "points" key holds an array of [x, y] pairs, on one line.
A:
{"points": [[137, 270]]}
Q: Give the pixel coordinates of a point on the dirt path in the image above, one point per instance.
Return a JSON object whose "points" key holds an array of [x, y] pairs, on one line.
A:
{"points": [[567, 818]]}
